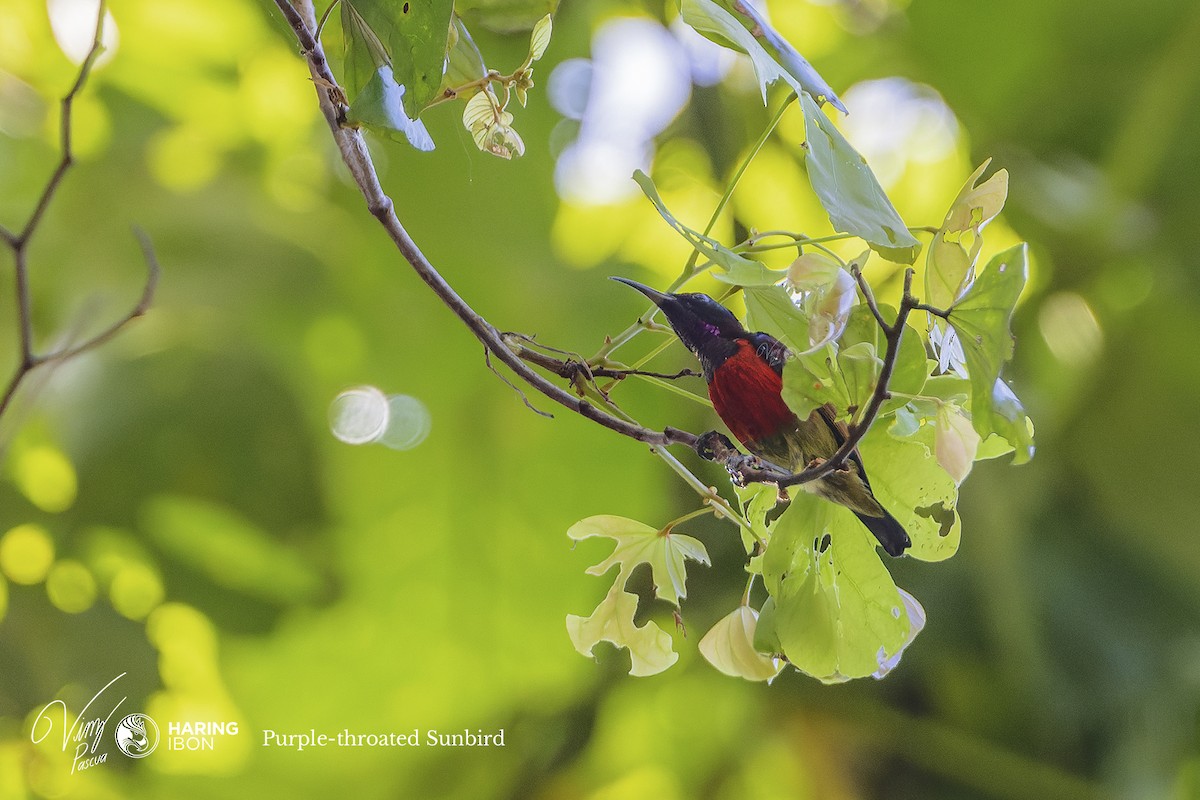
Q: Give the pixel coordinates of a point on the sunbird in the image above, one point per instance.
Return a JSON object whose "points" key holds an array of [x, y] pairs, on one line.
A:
{"points": [[744, 372]]}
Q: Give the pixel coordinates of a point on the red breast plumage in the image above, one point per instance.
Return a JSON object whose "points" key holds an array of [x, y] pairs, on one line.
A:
{"points": [[744, 372]]}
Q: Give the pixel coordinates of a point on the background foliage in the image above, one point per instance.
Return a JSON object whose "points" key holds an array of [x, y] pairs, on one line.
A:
{"points": [[181, 511]]}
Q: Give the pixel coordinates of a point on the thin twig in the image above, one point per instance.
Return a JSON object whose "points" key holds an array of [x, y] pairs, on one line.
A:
{"points": [[28, 360], [139, 309]]}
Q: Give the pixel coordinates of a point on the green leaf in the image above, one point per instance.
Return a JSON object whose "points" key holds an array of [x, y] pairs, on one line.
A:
{"points": [[770, 309], [811, 381], [737, 267], [757, 500], [729, 646], [837, 614], [982, 318], [380, 106], [772, 56], [414, 35], [364, 53], [539, 40], [638, 543], [766, 637], [849, 191], [860, 368], [649, 646], [376, 100], [950, 261], [918, 492], [912, 368], [464, 62]]}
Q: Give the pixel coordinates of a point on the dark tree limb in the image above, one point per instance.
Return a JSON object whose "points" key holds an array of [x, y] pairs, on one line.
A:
{"points": [[28, 359]]}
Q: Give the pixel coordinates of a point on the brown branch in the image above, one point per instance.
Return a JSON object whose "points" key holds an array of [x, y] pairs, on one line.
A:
{"points": [[354, 153], [27, 359]]}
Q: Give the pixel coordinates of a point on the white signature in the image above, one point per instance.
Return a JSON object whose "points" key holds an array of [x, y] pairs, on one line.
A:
{"points": [[84, 734]]}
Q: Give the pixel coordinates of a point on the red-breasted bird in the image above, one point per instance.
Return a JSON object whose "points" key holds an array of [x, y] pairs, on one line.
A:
{"points": [[744, 372]]}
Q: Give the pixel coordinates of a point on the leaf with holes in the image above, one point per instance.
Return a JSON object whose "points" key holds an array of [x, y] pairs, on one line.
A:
{"points": [[836, 615]]}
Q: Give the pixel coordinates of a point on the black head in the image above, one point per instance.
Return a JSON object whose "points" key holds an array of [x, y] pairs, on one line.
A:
{"points": [[706, 327]]}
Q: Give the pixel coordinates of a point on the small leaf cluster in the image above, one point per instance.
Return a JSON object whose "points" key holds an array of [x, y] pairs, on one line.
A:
{"points": [[402, 58]]}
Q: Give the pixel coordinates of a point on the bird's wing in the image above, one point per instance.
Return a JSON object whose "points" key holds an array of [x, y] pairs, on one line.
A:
{"points": [[841, 432]]}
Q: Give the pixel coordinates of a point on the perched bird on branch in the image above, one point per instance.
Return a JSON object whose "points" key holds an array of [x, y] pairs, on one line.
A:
{"points": [[744, 372]]}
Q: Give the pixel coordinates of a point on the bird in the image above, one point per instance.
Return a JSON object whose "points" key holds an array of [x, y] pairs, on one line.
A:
{"points": [[744, 373]]}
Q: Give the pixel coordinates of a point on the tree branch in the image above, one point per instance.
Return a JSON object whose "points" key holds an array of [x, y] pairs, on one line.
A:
{"points": [[28, 360], [358, 160], [516, 355]]}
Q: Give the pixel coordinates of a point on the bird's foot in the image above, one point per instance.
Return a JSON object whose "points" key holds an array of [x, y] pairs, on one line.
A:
{"points": [[714, 446]]}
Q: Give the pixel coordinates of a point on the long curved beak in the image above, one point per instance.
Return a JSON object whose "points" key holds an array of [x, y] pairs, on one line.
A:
{"points": [[658, 297]]}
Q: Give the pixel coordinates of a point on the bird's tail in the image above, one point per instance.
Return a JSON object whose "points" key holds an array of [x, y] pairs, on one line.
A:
{"points": [[888, 531]]}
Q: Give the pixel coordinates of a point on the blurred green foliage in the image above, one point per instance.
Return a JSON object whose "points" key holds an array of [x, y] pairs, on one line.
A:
{"points": [[373, 590]]}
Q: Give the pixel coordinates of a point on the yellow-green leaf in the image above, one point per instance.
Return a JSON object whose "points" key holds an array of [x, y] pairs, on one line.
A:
{"points": [[649, 646], [729, 646], [638, 543], [539, 40], [950, 263]]}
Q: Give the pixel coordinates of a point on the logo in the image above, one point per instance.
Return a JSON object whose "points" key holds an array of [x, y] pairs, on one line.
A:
{"points": [[137, 735]]}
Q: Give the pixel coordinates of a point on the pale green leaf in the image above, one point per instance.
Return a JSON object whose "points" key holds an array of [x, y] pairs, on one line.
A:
{"points": [[480, 112], [837, 614], [539, 40], [849, 191], [911, 484], [955, 442], [772, 56], [981, 318], [649, 646], [812, 271], [729, 646], [736, 266], [638, 543], [813, 380], [464, 62], [757, 500], [860, 368], [950, 262]]}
